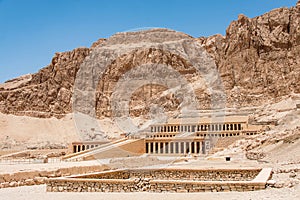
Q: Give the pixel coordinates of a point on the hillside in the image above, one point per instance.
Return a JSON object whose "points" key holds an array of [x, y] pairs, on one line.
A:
{"points": [[257, 63]]}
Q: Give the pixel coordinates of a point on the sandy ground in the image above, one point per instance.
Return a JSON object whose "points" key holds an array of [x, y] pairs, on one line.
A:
{"points": [[39, 192], [22, 131], [13, 168], [136, 162]]}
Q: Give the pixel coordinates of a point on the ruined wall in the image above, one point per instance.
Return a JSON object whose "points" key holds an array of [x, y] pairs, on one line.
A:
{"points": [[180, 174], [160, 181], [41, 176], [150, 186]]}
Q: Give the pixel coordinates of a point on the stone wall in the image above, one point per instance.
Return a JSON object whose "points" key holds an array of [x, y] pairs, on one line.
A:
{"points": [[169, 180], [148, 185], [178, 174], [40, 177]]}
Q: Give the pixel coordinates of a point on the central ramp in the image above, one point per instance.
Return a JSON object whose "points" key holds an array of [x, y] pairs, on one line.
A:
{"points": [[121, 148]]}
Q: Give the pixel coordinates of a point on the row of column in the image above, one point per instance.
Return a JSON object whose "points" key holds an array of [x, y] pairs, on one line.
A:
{"points": [[218, 134], [176, 147], [194, 128], [82, 147]]}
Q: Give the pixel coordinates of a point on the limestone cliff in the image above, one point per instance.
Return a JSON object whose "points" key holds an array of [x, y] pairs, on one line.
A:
{"points": [[258, 61], [47, 93]]}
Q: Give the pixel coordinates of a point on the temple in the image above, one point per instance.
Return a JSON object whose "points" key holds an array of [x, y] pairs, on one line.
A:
{"points": [[177, 136], [196, 135]]}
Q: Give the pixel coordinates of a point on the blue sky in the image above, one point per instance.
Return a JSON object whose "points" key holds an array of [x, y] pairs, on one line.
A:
{"points": [[31, 31]]}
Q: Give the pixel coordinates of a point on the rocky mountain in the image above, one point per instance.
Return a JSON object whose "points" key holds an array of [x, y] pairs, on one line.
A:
{"points": [[46, 93], [258, 61]]}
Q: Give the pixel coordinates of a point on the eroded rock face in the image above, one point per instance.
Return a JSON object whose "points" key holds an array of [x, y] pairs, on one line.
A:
{"points": [[147, 95], [258, 61], [47, 93]]}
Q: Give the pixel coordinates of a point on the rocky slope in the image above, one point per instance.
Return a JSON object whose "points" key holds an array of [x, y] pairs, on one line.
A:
{"points": [[258, 61], [46, 93]]}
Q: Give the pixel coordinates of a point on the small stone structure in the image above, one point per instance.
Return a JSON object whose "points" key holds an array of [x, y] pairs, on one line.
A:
{"points": [[164, 180]]}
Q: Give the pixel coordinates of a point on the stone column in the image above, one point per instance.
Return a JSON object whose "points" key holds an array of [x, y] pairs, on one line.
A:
{"points": [[158, 150], [149, 147], [174, 146], [201, 147]]}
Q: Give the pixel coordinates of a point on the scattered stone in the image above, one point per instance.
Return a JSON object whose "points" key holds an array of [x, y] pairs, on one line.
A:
{"points": [[292, 175], [279, 184], [29, 182], [13, 184], [255, 155], [40, 180], [271, 183]]}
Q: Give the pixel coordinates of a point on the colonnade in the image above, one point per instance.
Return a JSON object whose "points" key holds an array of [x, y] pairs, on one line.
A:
{"points": [[176, 147], [195, 128], [82, 147]]}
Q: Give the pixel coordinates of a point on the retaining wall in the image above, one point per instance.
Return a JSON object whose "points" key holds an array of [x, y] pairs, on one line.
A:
{"points": [[178, 174], [163, 181], [40, 177]]}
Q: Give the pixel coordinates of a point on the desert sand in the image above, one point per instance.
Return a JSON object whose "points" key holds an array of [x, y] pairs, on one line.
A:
{"points": [[39, 192]]}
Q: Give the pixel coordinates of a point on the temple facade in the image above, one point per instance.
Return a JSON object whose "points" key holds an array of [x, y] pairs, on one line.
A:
{"points": [[180, 136], [196, 135]]}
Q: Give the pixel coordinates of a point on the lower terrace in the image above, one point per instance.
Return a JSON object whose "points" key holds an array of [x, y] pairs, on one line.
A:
{"points": [[164, 180]]}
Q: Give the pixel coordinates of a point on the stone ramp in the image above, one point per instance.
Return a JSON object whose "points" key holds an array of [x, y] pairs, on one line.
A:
{"points": [[223, 143], [124, 148], [226, 141], [72, 155], [18, 153]]}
